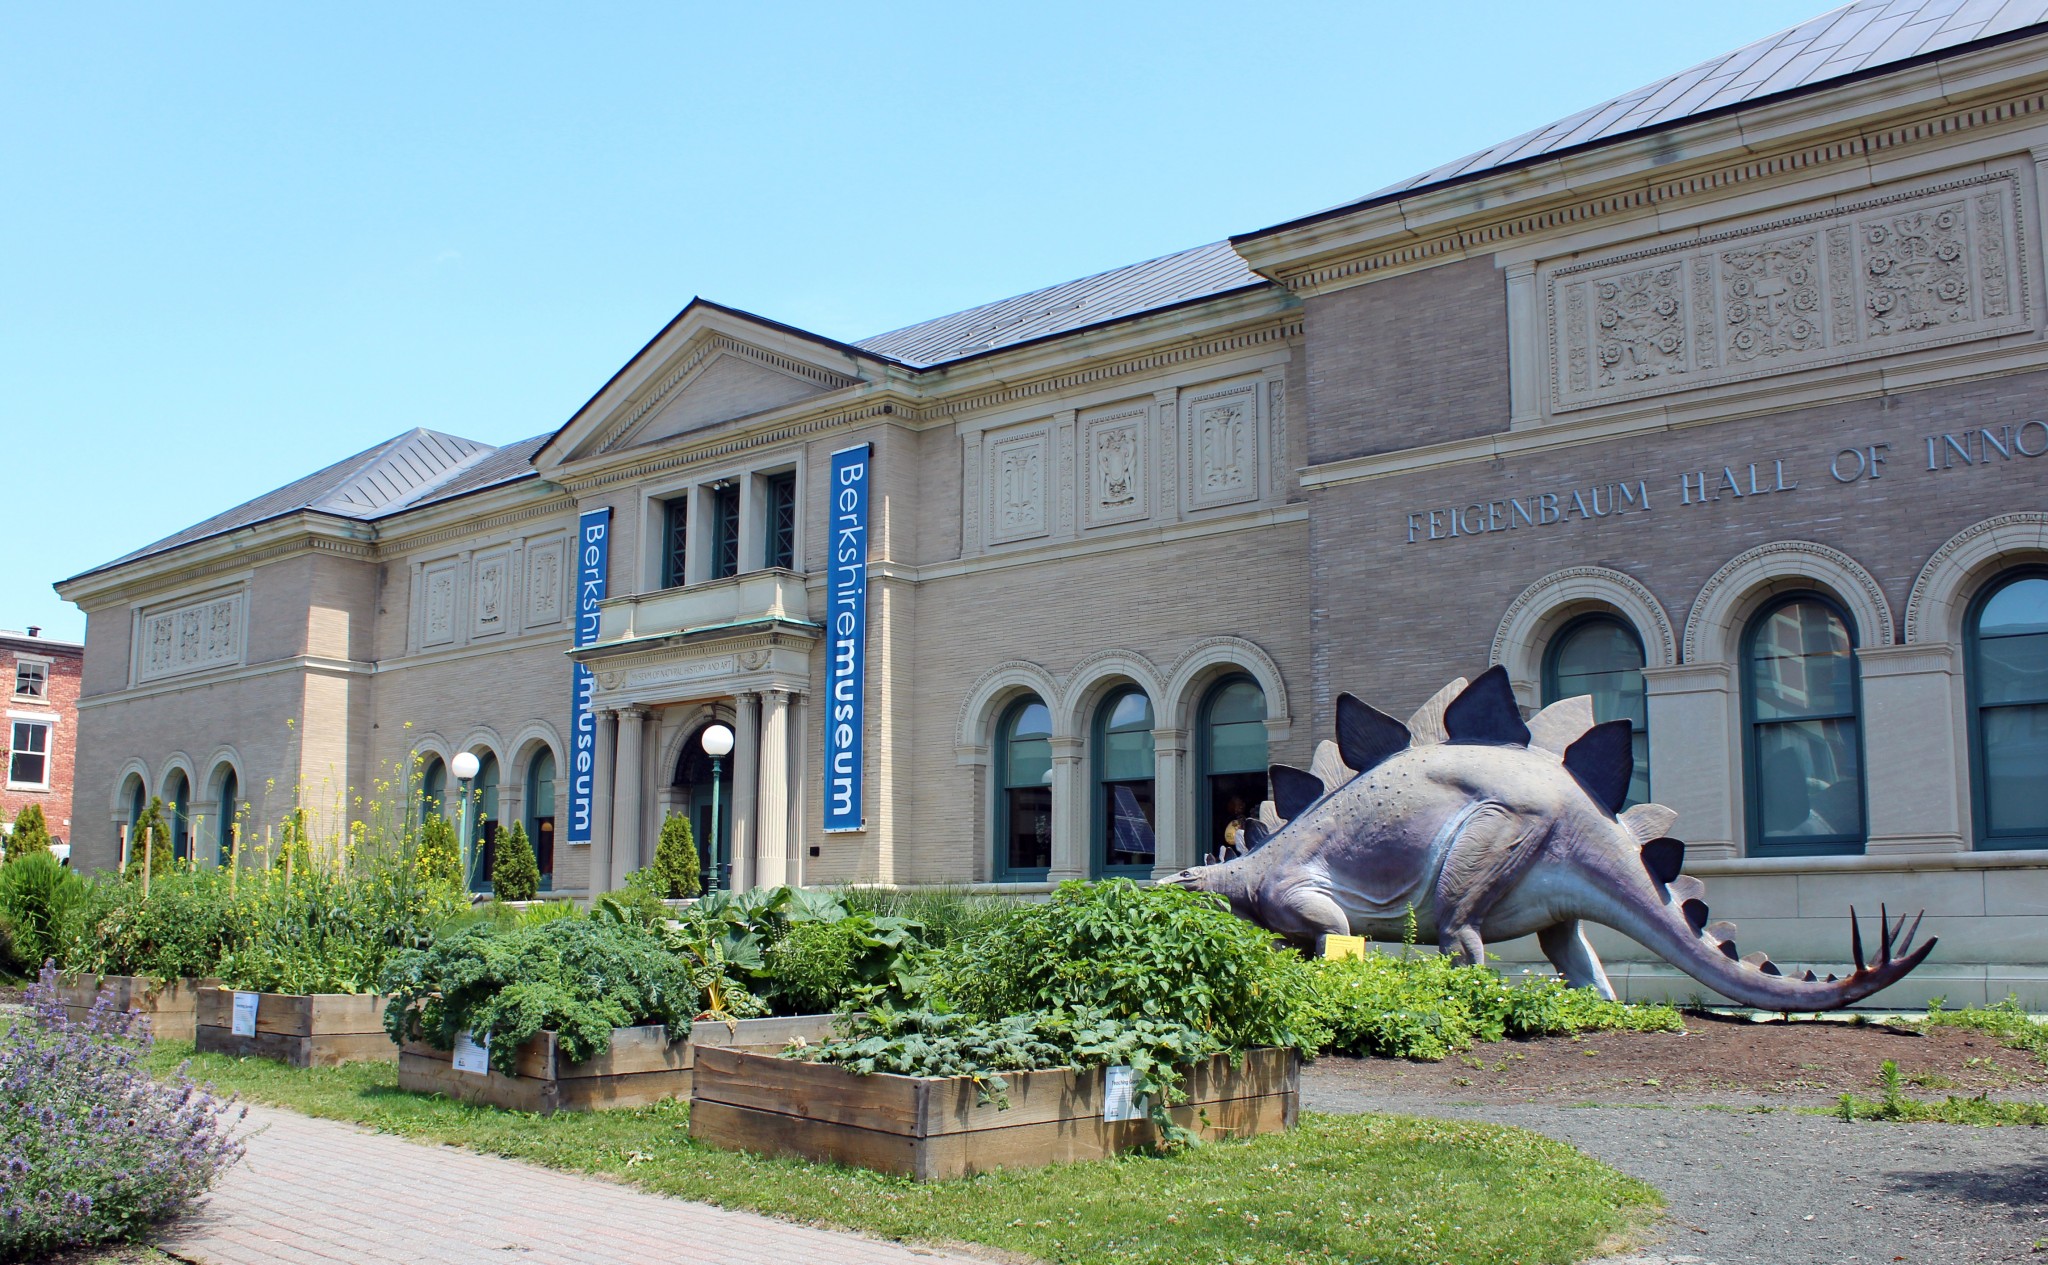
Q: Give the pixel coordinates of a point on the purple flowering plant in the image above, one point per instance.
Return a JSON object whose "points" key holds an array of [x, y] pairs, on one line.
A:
{"points": [[92, 1150]]}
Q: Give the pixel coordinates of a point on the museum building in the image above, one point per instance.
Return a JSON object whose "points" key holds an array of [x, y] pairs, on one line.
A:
{"points": [[1725, 401]]}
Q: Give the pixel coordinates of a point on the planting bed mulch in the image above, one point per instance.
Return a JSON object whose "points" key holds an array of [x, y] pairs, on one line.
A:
{"points": [[1717, 1058]]}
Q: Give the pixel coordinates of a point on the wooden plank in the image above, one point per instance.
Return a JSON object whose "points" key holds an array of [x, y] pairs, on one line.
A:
{"points": [[735, 1128], [346, 1013], [420, 1075], [771, 1033], [817, 1091], [296, 1015], [630, 1089], [326, 1050], [1091, 1138], [644, 1049]]}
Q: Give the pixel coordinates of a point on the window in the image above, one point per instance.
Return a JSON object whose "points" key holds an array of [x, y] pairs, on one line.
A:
{"points": [[1023, 809], [540, 812], [483, 832], [31, 679], [782, 521], [2007, 663], [433, 788], [178, 803], [1804, 749], [1232, 755], [1123, 783], [1601, 655], [28, 756], [725, 530], [230, 791], [675, 538]]}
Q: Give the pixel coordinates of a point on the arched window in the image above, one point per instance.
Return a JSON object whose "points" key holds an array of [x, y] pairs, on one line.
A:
{"points": [[1123, 784], [1231, 760], [1023, 781], [1800, 700], [703, 790], [230, 792], [483, 834], [177, 813], [433, 788], [540, 812], [138, 804], [2007, 662], [1601, 655]]}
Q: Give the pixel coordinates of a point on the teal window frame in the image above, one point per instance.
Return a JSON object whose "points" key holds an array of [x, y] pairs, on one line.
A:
{"points": [[180, 805], [1819, 845], [230, 791], [780, 546], [483, 822], [725, 530], [1205, 764], [1553, 690], [433, 789], [1100, 792], [1980, 796], [1001, 786], [675, 542], [536, 817]]}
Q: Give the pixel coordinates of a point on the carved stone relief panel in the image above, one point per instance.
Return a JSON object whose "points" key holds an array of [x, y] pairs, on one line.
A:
{"points": [[1019, 467], [490, 592], [544, 573], [190, 638], [1116, 449], [1224, 438], [437, 618], [1919, 267]]}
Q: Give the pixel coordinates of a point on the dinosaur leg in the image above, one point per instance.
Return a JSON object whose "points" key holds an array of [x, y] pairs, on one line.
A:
{"points": [[1321, 916], [1490, 849], [1566, 946]]}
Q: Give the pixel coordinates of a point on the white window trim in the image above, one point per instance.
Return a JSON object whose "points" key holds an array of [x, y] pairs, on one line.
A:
{"points": [[48, 752], [43, 661]]}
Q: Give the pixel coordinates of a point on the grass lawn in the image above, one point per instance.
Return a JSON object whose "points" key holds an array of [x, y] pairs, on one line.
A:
{"points": [[1349, 1189]]}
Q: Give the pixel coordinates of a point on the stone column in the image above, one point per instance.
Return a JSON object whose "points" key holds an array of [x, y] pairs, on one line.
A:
{"points": [[1915, 778], [1695, 753], [799, 854], [746, 770], [772, 824], [1069, 812], [1174, 831], [626, 797], [600, 876]]}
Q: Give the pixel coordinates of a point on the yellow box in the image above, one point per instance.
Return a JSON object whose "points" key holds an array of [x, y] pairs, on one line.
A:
{"points": [[1343, 947]]}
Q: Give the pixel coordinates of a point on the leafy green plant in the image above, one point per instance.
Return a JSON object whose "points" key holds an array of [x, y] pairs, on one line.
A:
{"points": [[515, 871], [1425, 1006], [2007, 1020], [1161, 953], [822, 964], [675, 860], [30, 834], [945, 914], [36, 895], [149, 840], [1892, 1105], [577, 977], [438, 855]]}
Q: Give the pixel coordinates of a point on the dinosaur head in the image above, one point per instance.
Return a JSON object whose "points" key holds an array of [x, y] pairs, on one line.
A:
{"points": [[1228, 879]]}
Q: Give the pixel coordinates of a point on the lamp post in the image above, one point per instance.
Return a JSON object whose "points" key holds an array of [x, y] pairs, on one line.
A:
{"points": [[464, 767], [717, 745]]}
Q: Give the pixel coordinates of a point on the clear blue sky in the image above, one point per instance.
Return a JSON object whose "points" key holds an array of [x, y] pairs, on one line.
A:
{"points": [[238, 242]]}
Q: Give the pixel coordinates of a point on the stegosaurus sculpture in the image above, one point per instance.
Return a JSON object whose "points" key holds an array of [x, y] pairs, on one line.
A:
{"points": [[1489, 828]]}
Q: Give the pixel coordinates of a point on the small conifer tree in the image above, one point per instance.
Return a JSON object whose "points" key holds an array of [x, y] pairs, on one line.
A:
{"points": [[31, 834], [439, 856], [148, 834], [515, 871], [675, 859]]}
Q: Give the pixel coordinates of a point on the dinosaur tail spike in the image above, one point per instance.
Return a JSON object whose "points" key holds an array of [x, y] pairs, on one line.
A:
{"points": [[1855, 938], [1906, 944]]}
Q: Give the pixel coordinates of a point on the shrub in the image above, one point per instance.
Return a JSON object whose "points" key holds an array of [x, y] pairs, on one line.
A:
{"points": [[183, 929], [675, 860], [515, 871], [438, 857], [577, 977], [1425, 1006], [94, 1151], [36, 895], [31, 834], [1162, 953], [824, 964], [946, 914], [149, 839]]}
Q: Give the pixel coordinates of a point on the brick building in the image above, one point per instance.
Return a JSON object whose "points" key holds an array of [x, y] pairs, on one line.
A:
{"points": [[42, 678], [1722, 401]]}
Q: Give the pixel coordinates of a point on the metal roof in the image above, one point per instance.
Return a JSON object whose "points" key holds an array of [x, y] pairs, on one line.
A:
{"points": [[1860, 37], [1182, 277]]}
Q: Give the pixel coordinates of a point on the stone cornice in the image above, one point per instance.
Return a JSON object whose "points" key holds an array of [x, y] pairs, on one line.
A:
{"points": [[557, 502], [707, 348], [237, 551], [1635, 176]]}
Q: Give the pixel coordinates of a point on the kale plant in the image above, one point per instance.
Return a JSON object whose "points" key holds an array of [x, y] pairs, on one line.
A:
{"points": [[91, 1149]]}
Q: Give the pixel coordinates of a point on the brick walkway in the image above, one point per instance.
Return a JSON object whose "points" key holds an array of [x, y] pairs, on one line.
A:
{"points": [[314, 1192]]}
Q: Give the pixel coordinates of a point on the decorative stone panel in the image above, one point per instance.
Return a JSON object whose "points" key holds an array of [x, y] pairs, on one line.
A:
{"points": [[1922, 267], [544, 582], [1224, 442], [1117, 450], [491, 594], [1018, 472], [190, 638], [438, 586]]}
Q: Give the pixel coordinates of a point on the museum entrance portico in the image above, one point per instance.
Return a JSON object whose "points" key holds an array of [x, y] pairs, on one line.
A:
{"points": [[654, 696]]}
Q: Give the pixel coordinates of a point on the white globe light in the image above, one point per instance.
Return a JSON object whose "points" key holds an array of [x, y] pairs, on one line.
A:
{"points": [[463, 766], [717, 742]]}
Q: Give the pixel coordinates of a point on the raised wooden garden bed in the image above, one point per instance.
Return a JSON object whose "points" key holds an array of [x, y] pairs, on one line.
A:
{"points": [[304, 1030], [643, 1066], [168, 1003], [934, 1127]]}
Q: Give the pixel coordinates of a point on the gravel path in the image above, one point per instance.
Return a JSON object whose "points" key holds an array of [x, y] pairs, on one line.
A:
{"points": [[1780, 1187]]}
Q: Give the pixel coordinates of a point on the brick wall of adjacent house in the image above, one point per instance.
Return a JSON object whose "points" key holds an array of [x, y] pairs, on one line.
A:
{"points": [[60, 707]]}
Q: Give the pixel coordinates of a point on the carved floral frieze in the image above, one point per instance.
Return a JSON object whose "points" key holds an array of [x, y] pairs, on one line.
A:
{"points": [[1920, 267], [1018, 497], [1117, 451], [190, 638], [1223, 437]]}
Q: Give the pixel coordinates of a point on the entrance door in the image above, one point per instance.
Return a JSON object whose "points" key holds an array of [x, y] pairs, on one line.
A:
{"points": [[693, 782]]}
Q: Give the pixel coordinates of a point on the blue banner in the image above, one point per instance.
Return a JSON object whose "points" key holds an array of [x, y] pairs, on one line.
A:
{"points": [[593, 552], [846, 638]]}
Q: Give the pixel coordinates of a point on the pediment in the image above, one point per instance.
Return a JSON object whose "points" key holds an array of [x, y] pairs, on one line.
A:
{"points": [[710, 366]]}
